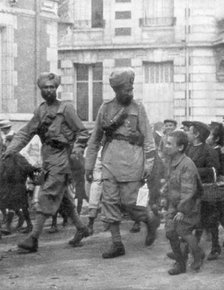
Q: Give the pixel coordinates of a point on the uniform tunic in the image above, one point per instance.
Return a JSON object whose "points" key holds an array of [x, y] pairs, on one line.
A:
{"points": [[184, 192], [61, 131], [122, 162]]}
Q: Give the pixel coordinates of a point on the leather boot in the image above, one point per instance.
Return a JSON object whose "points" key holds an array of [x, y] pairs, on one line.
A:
{"points": [[116, 250], [152, 225], [135, 228], [30, 244], [214, 254], [180, 265], [198, 260], [178, 268], [79, 235]]}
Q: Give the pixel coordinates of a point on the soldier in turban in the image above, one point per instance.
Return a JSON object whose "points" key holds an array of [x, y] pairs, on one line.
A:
{"points": [[127, 159], [63, 138]]}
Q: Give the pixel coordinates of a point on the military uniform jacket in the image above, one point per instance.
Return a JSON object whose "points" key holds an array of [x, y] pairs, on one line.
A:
{"points": [[184, 186], [63, 127], [120, 159]]}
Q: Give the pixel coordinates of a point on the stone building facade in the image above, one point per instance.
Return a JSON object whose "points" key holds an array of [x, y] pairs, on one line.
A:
{"points": [[174, 46], [28, 46]]}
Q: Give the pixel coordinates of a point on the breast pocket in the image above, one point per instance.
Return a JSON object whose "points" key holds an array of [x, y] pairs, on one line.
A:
{"points": [[131, 122]]}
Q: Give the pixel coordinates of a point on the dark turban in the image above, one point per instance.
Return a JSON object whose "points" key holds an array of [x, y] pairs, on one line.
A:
{"points": [[44, 77], [122, 77]]}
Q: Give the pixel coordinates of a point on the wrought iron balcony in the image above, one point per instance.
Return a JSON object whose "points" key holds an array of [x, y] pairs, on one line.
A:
{"points": [[87, 24], [157, 21]]}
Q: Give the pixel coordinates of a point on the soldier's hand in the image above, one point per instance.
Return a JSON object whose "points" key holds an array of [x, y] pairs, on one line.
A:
{"points": [[89, 175]]}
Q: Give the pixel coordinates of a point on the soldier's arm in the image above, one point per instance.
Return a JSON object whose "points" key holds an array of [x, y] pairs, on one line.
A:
{"points": [[146, 130], [76, 125], [24, 135], [188, 181], [94, 143]]}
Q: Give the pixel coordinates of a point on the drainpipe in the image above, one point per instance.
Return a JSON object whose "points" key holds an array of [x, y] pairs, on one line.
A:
{"points": [[187, 59], [36, 49]]}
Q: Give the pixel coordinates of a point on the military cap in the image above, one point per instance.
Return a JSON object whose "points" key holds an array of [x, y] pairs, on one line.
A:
{"points": [[45, 76], [202, 128], [214, 124], [5, 124], [170, 121], [121, 77]]}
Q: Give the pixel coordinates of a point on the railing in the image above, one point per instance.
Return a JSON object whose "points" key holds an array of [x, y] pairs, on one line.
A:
{"points": [[157, 21], [83, 24]]}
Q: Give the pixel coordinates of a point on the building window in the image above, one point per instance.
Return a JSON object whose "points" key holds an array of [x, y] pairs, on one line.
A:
{"points": [[161, 72], [158, 13], [89, 93], [123, 31], [88, 14], [122, 14], [97, 13]]}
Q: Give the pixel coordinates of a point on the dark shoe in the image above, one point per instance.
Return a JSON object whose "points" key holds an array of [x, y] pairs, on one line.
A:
{"points": [[177, 269], [53, 230], [116, 250], [198, 261], [214, 254], [135, 228], [30, 244], [79, 235]]}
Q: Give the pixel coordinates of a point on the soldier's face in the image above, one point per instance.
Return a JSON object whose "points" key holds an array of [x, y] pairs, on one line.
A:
{"points": [[124, 94], [48, 92]]}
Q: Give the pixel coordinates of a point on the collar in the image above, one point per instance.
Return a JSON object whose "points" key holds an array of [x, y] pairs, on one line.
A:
{"points": [[176, 162]]}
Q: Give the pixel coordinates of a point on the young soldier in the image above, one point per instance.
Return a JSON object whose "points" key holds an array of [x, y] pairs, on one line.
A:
{"points": [[127, 158], [63, 137], [184, 191]]}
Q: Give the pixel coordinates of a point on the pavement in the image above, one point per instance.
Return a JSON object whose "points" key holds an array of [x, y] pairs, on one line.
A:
{"points": [[58, 266]]}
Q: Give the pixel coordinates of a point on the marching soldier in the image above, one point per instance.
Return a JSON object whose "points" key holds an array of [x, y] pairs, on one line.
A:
{"points": [[63, 137], [127, 158]]}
